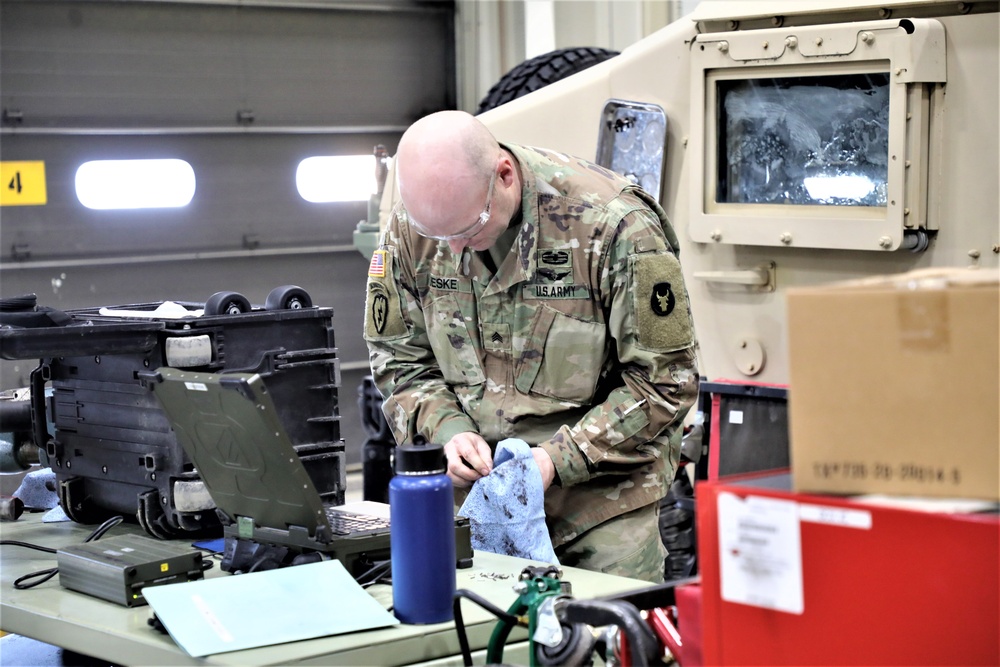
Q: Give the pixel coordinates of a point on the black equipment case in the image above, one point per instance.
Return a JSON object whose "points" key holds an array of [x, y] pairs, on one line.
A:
{"points": [[113, 450]]}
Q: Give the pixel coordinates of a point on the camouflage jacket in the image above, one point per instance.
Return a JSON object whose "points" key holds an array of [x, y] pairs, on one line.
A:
{"points": [[582, 343]]}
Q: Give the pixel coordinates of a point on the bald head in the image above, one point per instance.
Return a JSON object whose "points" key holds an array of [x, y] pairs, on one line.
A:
{"points": [[443, 166]]}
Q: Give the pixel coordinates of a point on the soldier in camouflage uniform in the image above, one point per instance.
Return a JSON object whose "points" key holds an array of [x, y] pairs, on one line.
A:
{"points": [[558, 316]]}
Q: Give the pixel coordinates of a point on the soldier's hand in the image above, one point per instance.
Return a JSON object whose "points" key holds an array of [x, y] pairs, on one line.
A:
{"points": [[469, 458], [545, 466]]}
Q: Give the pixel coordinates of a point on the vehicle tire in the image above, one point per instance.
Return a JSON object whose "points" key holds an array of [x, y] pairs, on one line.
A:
{"points": [[227, 303], [288, 297], [542, 70]]}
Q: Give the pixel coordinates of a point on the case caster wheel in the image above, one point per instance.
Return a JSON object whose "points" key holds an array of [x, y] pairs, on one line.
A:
{"points": [[288, 297], [227, 303]]}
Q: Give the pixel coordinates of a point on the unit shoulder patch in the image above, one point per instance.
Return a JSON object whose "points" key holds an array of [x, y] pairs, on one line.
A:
{"points": [[660, 303], [383, 309]]}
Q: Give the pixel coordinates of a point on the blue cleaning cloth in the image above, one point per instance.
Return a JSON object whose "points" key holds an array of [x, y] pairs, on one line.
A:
{"points": [[55, 515], [506, 509], [37, 489]]}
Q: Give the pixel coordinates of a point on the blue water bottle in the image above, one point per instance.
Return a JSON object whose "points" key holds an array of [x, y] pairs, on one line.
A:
{"points": [[421, 514]]}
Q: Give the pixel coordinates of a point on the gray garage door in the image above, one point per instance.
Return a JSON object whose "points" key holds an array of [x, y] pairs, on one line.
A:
{"points": [[240, 91]]}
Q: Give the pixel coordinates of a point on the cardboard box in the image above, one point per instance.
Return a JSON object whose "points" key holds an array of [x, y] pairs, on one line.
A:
{"points": [[895, 385]]}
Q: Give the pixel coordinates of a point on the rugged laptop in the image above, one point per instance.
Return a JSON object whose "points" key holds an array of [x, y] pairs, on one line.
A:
{"points": [[271, 511]]}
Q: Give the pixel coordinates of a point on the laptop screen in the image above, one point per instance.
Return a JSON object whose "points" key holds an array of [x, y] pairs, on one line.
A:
{"points": [[230, 429]]}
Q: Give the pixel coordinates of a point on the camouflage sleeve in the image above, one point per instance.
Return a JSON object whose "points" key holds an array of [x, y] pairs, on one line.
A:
{"points": [[650, 321], [416, 397]]}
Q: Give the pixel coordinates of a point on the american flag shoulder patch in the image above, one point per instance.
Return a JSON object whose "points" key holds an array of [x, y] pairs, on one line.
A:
{"points": [[376, 269]]}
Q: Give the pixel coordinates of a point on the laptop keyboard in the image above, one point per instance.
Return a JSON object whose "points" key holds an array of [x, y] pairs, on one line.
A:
{"points": [[346, 523]]}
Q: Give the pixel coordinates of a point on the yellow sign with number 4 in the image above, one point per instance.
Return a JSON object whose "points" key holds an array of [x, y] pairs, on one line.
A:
{"points": [[22, 184]]}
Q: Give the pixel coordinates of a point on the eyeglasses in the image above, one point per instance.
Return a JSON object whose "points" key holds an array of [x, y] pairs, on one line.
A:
{"points": [[473, 229]]}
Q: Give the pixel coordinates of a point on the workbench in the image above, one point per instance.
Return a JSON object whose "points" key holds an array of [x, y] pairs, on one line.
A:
{"points": [[94, 627]]}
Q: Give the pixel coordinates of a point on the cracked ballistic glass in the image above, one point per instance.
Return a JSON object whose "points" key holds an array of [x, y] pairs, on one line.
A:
{"points": [[804, 140]]}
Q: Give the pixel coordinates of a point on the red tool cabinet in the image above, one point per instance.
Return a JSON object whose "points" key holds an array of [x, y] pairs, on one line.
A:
{"points": [[805, 579]]}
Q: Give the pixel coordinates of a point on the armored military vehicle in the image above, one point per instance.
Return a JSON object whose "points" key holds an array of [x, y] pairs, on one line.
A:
{"points": [[793, 143]]}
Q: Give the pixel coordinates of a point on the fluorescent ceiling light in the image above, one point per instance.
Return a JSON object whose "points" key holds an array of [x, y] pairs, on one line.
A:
{"points": [[126, 184], [330, 178]]}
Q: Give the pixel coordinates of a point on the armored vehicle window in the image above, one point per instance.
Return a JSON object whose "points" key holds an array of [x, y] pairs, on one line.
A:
{"points": [[821, 140]]}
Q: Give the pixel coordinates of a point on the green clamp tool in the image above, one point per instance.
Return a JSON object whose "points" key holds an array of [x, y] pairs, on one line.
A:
{"points": [[538, 588]]}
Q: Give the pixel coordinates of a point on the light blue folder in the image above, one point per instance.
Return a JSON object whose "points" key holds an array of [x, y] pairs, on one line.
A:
{"points": [[236, 612]]}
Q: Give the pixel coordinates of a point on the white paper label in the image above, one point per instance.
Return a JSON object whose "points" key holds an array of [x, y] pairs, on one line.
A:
{"points": [[195, 386], [735, 416], [760, 552]]}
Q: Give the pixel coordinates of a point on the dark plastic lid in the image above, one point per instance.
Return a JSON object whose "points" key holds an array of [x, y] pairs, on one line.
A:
{"points": [[420, 459]]}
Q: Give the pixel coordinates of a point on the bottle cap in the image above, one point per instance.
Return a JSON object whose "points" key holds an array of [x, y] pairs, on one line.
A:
{"points": [[425, 459]]}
